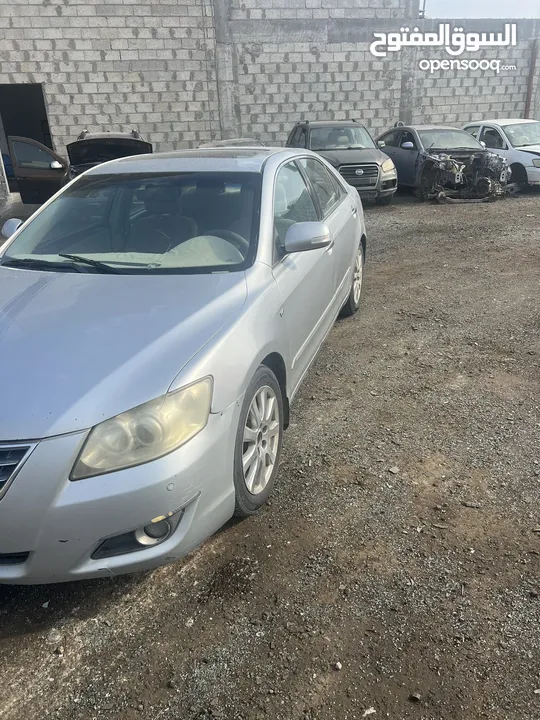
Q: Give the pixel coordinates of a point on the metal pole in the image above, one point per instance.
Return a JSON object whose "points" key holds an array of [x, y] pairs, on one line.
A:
{"points": [[530, 84]]}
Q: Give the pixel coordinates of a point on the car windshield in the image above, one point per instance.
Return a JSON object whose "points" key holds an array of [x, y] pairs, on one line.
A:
{"points": [[523, 134], [340, 138], [170, 223], [448, 140]]}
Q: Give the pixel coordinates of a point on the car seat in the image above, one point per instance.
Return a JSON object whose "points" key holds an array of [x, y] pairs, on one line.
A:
{"points": [[162, 227]]}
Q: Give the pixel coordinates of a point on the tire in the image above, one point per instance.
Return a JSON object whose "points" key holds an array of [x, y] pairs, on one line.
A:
{"points": [[422, 192], [353, 301], [252, 483], [384, 200], [519, 176]]}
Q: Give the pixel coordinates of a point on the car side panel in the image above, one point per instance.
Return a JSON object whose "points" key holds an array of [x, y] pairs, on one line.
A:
{"points": [[233, 354]]}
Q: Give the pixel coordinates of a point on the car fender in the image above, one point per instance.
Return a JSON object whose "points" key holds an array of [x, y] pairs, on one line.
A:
{"points": [[232, 356]]}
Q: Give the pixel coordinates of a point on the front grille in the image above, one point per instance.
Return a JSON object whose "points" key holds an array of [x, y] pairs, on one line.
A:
{"points": [[368, 176], [11, 459]]}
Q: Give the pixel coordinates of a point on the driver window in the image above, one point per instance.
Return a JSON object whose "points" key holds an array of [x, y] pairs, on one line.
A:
{"points": [[492, 138], [31, 156], [407, 136], [292, 202], [392, 138], [473, 130]]}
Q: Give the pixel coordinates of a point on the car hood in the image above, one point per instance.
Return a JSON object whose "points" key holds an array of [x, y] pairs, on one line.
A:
{"points": [[352, 157], [81, 347], [93, 151], [532, 149]]}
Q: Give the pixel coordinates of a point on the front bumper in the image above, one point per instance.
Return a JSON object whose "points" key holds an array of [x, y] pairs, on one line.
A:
{"points": [[383, 186], [55, 525], [533, 175]]}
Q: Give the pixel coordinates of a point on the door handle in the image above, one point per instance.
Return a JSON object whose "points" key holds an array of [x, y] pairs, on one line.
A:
{"points": [[354, 211]]}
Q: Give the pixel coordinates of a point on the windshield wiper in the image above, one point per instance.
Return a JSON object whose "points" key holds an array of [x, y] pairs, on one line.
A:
{"points": [[40, 264], [89, 261]]}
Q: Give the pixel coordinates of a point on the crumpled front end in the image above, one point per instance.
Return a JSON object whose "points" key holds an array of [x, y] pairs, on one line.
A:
{"points": [[478, 177]]}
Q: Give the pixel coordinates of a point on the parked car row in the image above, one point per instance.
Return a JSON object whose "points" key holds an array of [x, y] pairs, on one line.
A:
{"points": [[484, 159]]}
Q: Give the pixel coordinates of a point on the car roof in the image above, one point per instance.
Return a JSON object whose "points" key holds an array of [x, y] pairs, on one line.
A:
{"points": [[420, 127], [200, 159], [106, 135], [326, 123], [503, 121]]}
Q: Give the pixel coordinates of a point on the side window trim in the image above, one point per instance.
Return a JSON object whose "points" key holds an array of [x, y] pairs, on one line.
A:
{"points": [[310, 188]]}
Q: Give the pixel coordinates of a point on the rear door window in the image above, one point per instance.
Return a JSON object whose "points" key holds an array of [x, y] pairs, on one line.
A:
{"points": [[322, 184], [292, 201]]}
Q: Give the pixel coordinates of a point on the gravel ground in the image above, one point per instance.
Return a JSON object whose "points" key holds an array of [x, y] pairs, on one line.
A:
{"points": [[395, 572]]}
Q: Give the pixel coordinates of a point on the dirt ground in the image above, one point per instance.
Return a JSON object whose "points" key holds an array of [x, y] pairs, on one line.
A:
{"points": [[395, 573]]}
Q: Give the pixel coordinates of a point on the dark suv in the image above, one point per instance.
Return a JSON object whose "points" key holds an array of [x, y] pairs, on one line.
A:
{"points": [[349, 147]]}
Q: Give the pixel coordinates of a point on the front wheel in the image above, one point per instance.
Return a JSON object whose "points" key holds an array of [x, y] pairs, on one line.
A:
{"points": [[258, 442], [353, 301]]}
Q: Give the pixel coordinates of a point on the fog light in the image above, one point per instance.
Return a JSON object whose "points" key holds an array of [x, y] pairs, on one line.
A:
{"points": [[150, 535], [154, 533]]}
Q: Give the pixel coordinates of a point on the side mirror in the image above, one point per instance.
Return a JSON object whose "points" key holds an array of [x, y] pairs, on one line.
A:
{"points": [[55, 165], [408, 145], [10, 227], [381, 143], [483, 144], [304, 236]]}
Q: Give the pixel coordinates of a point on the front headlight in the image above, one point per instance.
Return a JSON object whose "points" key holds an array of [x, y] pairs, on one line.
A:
{"points": [[145, 433], [536, 162], [388, 166]]}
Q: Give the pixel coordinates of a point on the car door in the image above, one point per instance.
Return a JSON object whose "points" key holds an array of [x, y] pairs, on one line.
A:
{"points": [[391, 141], [38, 170], [406, 157], [339, 211], [305, 279]]}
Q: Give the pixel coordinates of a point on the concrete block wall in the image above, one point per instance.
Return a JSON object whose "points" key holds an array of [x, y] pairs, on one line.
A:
{"points": [[321, 9], [116, 64], [286, 71], [458, 97], [186, 71], [282, 83]]}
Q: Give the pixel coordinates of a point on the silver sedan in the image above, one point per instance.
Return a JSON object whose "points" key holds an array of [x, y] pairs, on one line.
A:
{"points": [[157, 318]]}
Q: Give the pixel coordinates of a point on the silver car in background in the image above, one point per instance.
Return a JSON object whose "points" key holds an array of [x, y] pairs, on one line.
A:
{"points": [[157, 318]]}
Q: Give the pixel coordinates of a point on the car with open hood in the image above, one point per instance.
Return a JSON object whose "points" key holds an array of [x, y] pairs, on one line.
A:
{"points": [[516, 140], [40, 172], [157, 318], [349, 147]]}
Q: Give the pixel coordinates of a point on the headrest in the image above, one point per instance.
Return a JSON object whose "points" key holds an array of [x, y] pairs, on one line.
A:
{"points": [[161, 201]]}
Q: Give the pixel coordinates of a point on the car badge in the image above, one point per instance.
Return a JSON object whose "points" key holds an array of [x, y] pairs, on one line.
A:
{"points": [[359, 172]]}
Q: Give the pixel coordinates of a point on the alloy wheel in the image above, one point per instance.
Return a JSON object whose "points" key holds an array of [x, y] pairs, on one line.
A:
{"points": [[260, 440]]}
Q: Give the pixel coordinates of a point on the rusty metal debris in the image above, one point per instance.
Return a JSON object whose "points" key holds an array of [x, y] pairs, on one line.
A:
{"points": [[465, 177]]}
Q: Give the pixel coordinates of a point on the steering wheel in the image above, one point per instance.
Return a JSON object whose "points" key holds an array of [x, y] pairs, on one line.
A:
{"points": [[240, 243]]}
